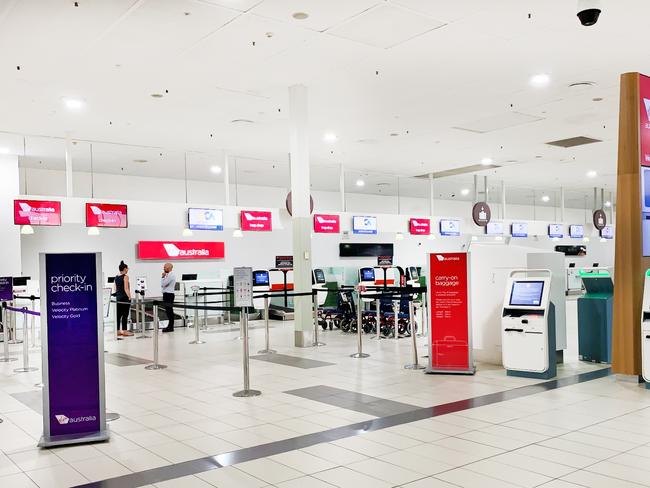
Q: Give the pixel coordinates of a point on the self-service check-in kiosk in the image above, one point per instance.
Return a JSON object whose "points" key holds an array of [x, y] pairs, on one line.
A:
{"points": [[645, 331], [595, 311], [261, 284], [528, 326], [318, 283]]}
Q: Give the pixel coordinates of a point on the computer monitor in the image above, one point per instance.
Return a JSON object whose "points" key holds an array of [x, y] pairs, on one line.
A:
{"points": [[319, 276], [20, 280], [576, 231], [519, 229], [189, 277], [526, 293], [111, 279], [449, 227], [494, 228], [261, 278], [367, 274]]}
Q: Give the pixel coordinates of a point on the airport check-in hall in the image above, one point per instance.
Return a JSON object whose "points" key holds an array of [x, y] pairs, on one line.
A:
{"points": [[324, 244]]}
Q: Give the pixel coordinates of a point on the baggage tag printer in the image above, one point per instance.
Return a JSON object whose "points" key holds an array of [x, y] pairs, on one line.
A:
{"points": [[645, 331], [528, 325]]}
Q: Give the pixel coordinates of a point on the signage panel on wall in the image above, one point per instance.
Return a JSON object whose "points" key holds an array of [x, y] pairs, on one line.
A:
{"points": [[364, 224], [205, 219], [481, 214], [106, 215], [449, 227], [6, 289], [607, 232], [576, 231], [284, 262], [556, 231], [494, 229], [385, 261], [73, 349], [644, 122], [243, 287], [37, 212], [519, 229], [327, 224], [173, 250], [420, 226], [599, 219], [450, 337], [255, 220]]}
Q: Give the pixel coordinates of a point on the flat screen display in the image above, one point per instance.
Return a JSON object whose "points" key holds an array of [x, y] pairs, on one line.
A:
{"points": [[526, 293], [449, 227], [519, 229], [37, 212], [354, 250], [607, 232], [261, 278], [494, 229], [576, 231], [556, 230], [106, 215], [367, 274], [205, 218], [364, 225], [189, 277], [319, 275]]}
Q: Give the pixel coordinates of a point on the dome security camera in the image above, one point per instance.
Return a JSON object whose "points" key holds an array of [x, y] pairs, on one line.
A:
{"points": [[588, 12]]}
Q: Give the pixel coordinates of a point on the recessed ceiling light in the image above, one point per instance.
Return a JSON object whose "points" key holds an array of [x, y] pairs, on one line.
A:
{"points": [[608, 204], [4, 150], [541, 79], [592, 174], [242, 121], [361, 183], [486, 161], [300, 15], [74, 103], [156, 95], [216, 169], [330, 137], [546, 198], [140, 161], [394, 134], [597, 99], [464, 192]]}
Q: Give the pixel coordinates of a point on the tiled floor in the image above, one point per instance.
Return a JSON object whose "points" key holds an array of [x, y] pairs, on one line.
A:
{"points": [[591, 434]]}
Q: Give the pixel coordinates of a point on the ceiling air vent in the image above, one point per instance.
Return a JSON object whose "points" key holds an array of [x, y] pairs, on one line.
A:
{"points": [[475, 168], [573, 142]]}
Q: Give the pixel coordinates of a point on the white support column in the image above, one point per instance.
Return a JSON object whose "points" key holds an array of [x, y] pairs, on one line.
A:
{"points": [[503, 200], [226, 177], [10, 256], [342, 187], [68, 166], [431, 194], [301, 221]]}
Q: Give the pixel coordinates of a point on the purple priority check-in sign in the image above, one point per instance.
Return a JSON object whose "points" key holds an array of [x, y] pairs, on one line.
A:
{"points": [[73, 354], [6, 288]]}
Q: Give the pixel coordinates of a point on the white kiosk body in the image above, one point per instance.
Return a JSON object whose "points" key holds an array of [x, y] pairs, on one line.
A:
{"points": [[645, 331], [528, 326]]}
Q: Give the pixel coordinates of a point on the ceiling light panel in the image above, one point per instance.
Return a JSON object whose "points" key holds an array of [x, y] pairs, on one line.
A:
{"points": [[386, 26], [322, 15]]}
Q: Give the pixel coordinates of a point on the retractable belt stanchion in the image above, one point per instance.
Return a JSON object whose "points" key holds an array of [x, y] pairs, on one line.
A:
{"points": [[205, 310], [267, 349], [5, 338], [197, 327], [396, 308], [156, 334], [378, 312], [246, 392], [416, 365], [11, 319], [359, 353], [316, 342], [33, 320], [26, 368], [141, 316]]}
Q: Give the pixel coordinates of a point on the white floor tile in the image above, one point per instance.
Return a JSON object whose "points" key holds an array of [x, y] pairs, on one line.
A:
{"points": [[430, 483], [18, 480], [336, 454], [59, 476], [231, 477], [415, 462], [140, 460], [184, 482], [304, 482], [35, 459], [303, 462], [363, 446], [594, 480], [344, 477], [211, 445], [270, 471], [393, 474], [100, 468], [470, 479], [510, 474]]}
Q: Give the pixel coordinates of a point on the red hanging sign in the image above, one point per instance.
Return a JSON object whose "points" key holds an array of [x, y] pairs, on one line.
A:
{"points": [[327, 224], [37, 212], [420, 226], [259, 221], [106, 215], [173, 250], [644, 119], [450, 346]]}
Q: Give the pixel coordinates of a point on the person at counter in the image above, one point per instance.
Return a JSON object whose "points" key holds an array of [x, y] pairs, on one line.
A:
{"points": [[168, 286], [123, 298]]}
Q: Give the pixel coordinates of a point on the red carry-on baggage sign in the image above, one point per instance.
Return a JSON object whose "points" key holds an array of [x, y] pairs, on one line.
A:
{"points": [[450, 336]]}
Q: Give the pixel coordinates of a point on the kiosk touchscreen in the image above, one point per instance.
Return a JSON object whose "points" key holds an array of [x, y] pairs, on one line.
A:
{"points": [[367, 277], [318, 283], [528, 326], [412, 276], [261, 284], [645, 331]]}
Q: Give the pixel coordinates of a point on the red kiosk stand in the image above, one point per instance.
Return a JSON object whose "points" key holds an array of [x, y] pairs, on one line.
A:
{"points": [[450, 333]]}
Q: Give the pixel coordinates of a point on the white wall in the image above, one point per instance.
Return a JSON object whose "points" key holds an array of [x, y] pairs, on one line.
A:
{"points": [[10, 234]]}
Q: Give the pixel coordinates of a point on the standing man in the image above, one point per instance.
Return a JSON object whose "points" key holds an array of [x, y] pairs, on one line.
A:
{"points": [[168, 286]]}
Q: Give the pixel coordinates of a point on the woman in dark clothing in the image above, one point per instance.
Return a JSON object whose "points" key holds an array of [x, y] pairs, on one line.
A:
{"points": [[123, 297]]}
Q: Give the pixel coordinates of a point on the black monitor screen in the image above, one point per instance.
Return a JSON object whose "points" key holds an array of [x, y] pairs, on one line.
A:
{"points": [[353, 250], [20, 280], [111, 279], [414, 273], [367, 274], [189, 277], [319, 274], [260, 278], [526, 293]]}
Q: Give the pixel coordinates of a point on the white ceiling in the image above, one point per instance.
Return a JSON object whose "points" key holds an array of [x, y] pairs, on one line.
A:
{"points": [[448, 78]]}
